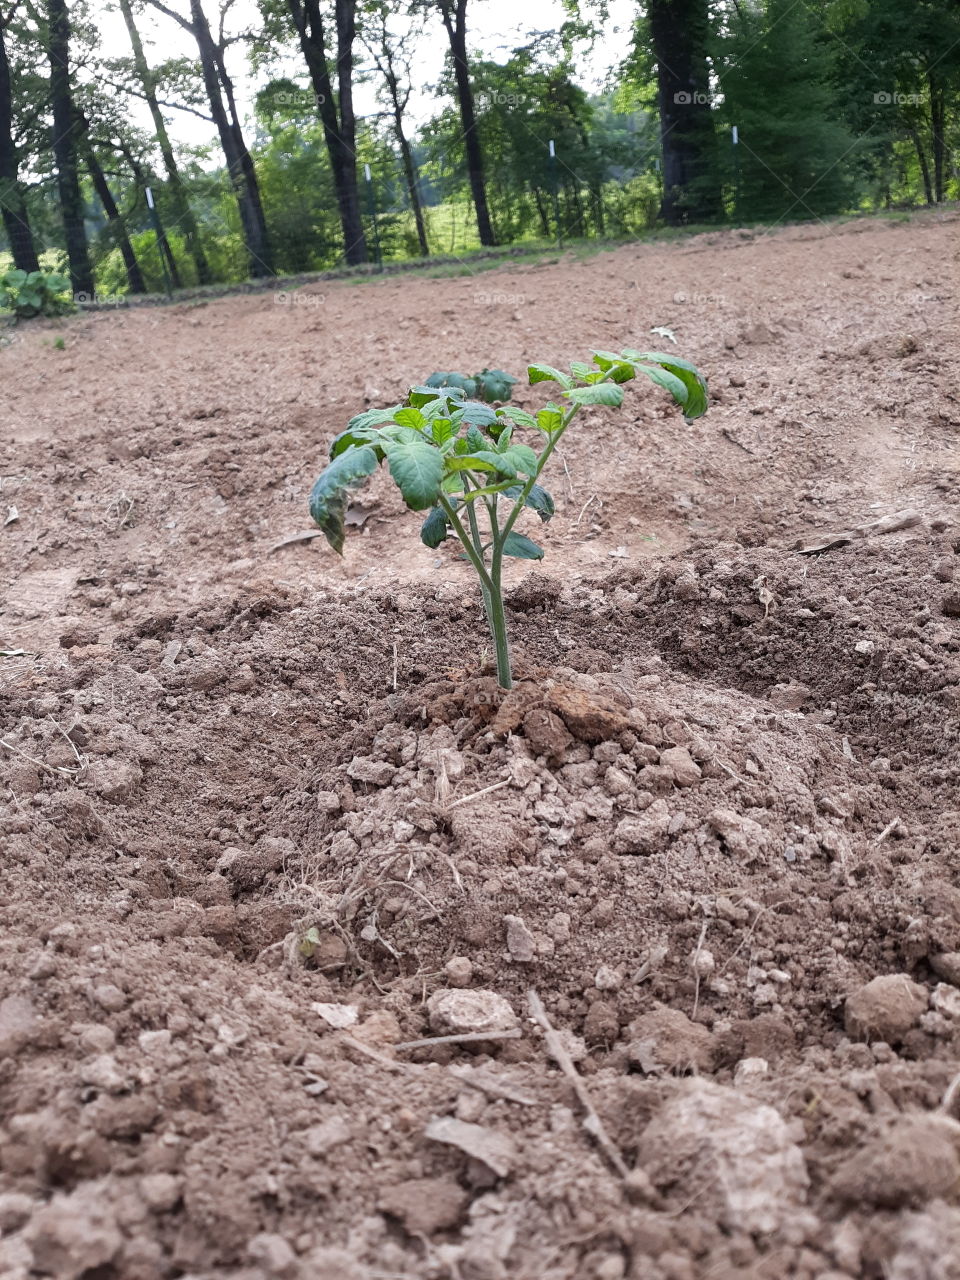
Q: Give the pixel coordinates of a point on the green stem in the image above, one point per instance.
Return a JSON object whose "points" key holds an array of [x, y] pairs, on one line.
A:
{"points": [[490, 587]]}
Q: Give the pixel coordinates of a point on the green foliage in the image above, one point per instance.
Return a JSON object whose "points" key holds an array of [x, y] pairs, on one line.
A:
{"points": [[490, 385], [460, 460], [777, 71], [35, 293]]}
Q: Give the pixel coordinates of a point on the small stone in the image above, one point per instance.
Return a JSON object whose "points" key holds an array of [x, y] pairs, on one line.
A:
{"points": [[96, 1038], [736, 1160], [702, 962], [425, 1205], [912, 1162], [114, 779], [339, 1016], [788, 697], [103, 1073], [951, 604], [947, 966], [750, 1070], [607, 979], [321, 1138], [328, 802], [73, 1234], [602, 1023], [109, 997], [160, 1191], [945, 999], [456, 1012], [520, 941], [272, 1253], [666, 1040], [15, 1209], [686, 772], [575, 1046], [885, 1008], [378, 773], [154, 1042], [458, 971], [865, 647], [18, 1021], [645, 834], [491, 1147], [741, 836]]}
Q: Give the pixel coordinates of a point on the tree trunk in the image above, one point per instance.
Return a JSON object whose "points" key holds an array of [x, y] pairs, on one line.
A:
{"points": [[691, 187], [12, 205], [924, 164], [339, 128], [542, 212], [456, 25], [239, 164], [181, 205], [938, 123], [117, 227], [65, 126]]}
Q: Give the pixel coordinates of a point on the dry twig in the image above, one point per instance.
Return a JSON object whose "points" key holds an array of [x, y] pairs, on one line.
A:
{"points": [[592, 1122]]}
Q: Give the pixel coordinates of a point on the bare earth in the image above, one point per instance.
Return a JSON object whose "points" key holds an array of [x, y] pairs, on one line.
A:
{"points": [[265, 819]]}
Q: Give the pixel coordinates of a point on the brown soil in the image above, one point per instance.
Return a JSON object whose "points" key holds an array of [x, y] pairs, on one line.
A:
{"points": [[266, 818]]}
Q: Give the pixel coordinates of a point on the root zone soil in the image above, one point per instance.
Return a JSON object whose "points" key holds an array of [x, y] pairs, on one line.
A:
{"points": [[281, 867]]}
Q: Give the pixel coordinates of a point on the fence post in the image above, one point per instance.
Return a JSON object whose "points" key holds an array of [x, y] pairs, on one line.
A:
{"points": [[158, 231]]}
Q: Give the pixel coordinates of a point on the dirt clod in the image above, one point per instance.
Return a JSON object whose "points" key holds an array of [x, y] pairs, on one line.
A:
{"points": [[885, 1008]]}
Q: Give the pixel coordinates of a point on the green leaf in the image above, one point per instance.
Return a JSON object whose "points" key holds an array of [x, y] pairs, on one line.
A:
{"points": [[417, 468], [475, 414], [696, 402], [469, 462], [581, 371], [474, 439], [373, 418], [550, 418], [442, 430], [662, 378], [547, 373], [329, 496], [420, 396], [410, 417], [515, 544], [352, 438], [466, 386], [522, 457], [608, 393], [494, 384], [537, 499], [494, 461], [519, 416], [433, 531], [614, 366]]}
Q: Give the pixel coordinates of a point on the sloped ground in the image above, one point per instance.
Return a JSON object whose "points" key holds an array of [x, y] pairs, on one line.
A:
{"points": [[267, 821]]}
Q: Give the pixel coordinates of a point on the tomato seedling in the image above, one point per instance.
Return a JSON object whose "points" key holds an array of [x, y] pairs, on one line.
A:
{"points": [[459, 460]]}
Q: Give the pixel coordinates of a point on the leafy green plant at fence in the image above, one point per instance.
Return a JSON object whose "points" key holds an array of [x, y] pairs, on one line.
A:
{"points": [[462, 462], [34, 293]]}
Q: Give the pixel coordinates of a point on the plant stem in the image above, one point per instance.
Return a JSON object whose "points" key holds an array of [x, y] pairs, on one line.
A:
{"points": [[490, 584]]}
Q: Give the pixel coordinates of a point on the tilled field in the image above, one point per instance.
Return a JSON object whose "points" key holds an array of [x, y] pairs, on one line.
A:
{"points": [[273, 842]]}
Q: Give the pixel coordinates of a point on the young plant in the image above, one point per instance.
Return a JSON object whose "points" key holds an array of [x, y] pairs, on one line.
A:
{"points": [[34, 293], [460, 460]]}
